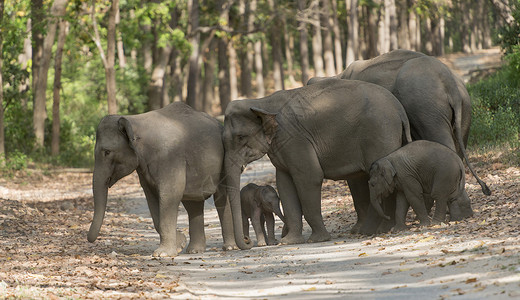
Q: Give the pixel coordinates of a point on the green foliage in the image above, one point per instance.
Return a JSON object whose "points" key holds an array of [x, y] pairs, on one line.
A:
{"points": [[496, 111]]}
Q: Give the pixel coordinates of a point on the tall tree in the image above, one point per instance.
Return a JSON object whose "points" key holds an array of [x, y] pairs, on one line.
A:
{"points": [[2, 131], [304, 50], [328, 52], [276, 46], [338, 41], [353, 35], [42, 53], [55, 143], [317, 48], [391, 23], [192, 98]]}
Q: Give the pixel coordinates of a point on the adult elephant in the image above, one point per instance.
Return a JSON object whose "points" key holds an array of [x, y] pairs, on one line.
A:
{"points": [[435, 99], [333, 129], [178, 154]]}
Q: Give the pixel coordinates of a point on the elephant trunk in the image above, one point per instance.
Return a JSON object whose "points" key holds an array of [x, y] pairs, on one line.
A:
{"points": [[374, 200], [278, 212], [100, 191], [233, 171]]}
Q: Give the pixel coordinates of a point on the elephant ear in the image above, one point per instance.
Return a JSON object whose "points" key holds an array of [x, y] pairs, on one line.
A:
{"points": [[258, 198], [269, 123], [388, 172], [126, 129]]}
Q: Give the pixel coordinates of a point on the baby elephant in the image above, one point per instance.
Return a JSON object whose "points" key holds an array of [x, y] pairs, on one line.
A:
{"points": [[420, 169], [258, 204]]}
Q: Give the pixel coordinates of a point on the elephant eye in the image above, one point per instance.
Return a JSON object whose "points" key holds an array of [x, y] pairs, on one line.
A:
{"points": [[106, 152], [241, 137]]}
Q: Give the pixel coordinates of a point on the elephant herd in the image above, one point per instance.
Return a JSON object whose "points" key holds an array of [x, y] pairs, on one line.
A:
{"points": [[395, 127]]}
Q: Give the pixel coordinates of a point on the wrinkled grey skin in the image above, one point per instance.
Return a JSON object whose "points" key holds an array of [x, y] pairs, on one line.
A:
{"points": [[334, 129], [178, 154], [258, 204], [417, 169], [435, 99]]}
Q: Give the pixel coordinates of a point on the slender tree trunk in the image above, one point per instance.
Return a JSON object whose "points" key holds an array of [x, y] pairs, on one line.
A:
{"points": [[177, 76], [304, 49], [120, 47], [260, 89], [486, 28], [276, 44], [317, 49], [428, 45], [224, 88], [412, 27], [328, 52], [155, 88], [440, 31], [111, 58], [353, 27], [23, 60], [372, 32], [391, 23], [55, 143], [209, 78], [146, 48], [192, 98], [403, 34], [466, 46], [40, 85], [2, 130], [246, 58], [233, 83], [383, 41], [289, 47], [338, 42], [474, 25], [504, 9]]}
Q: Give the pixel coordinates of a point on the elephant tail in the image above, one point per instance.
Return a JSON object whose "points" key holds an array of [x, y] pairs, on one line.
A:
{"points": [[457, 112], [407, 137]]}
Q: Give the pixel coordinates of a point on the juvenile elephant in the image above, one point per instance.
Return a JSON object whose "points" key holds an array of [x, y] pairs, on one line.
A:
{"points": [[258, 204], [333, 129], [417, 169], [178, 154], [435, 99]]}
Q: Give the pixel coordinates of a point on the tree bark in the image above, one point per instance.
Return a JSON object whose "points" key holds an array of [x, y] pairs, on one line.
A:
{"points": [[224, 88], [155, 88], [192, 98], [209, 78], [465, 40], [372, 32], [403, 34], [246, 58], [504, 10], [43, 54], [317, 49], [304, 49], [328, 52], [276, 45], [338, 42], [120, 47], [233, 83], [289, 47], [428, 45], [260, 89], [412, 27], [353, 26], [111, 58], [2, 130], [486, 28], [55, 143], [391, 23]]}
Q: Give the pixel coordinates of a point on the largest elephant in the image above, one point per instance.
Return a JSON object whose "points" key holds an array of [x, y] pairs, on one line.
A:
{"points": [[333, 129], [435, 99], [178, 154]]}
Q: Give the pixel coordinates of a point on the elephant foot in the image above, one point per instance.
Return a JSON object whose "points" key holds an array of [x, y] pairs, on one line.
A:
{"points": [[181, 241], [399, 227], [355, 229], [261, 244], [194, 248], [385, 226], [164, 251], [229, 247], [293, 239], [319, 237], [272, 242], [428, 223]]}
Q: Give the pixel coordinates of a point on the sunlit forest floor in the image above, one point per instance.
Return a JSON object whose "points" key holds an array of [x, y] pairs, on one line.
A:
{"points": [[44, 253]]}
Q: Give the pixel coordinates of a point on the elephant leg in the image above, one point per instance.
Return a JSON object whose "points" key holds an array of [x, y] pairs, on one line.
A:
{"points": [[390, 209], [153, 205], [195, 211], [414, 194], [245, 227], [170, 196], [401, 210], [226, 220], [258, 224], [269, 219], [291, 207], [368, 219]]}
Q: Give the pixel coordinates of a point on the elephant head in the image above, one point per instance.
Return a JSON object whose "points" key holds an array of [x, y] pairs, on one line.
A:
{"points": [[381, 183], [460, 208], [267, 199], [248, 132], [115, 158]]}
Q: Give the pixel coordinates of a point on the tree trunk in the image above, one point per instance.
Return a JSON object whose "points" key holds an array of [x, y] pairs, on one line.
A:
{"points": [[155, 88], [55, 144], [391, 23], [23, 60], [40, 81], [353, 27], [111, 58], [403, 34], [2, 131], [276, 44], [412, 28], [233, 84], [474, 25], [304, 49], [317, 49], [224, 87], [120, 47], [192, 98], [504, 10], [260, 89], [328, 52], [209, 78], [177, 76], [146, 49], [246, 58], [428, 45], [289, 47], [338, 42], [466, 46], [372, 32], [486, 28]]}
